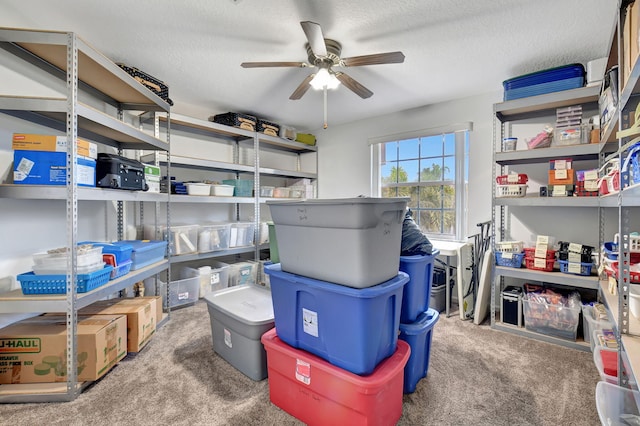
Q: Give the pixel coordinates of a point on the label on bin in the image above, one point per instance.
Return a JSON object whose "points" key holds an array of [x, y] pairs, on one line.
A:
{"points": [[303, 371], [575, 247], [540, 263], [310, 322], [575, 257], [183, 296], [512, 178], [541, 252], [215, 278], [590, 185], [561, 174], [227, 338], [575, 268]]}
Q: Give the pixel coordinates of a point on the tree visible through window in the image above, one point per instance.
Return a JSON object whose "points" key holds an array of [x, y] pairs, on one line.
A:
{"points": [[424, 169]]}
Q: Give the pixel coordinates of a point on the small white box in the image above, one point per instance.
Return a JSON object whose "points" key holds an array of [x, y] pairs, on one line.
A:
{"points": [[595, 71]]}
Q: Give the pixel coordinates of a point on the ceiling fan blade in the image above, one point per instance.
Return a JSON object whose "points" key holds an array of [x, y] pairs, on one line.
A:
{"points": [[273, 64], [354, 86], [375, 59], [302, 88], [315, 37]]}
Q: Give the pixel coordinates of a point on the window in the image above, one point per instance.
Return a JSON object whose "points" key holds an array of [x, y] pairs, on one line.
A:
{"points": [[432, 170]]}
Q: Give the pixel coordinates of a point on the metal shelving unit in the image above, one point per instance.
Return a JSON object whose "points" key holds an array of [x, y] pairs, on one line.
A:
{"points": [[67, 56], [626, 203], [526, 109], [257, 141]]}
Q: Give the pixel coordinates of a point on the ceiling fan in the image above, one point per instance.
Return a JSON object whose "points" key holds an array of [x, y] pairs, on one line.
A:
{"points": [[324, 54]]}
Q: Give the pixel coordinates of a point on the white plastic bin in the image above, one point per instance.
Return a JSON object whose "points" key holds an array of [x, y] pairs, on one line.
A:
{"points": [[350, 241], [612, 401], [589, 323]]}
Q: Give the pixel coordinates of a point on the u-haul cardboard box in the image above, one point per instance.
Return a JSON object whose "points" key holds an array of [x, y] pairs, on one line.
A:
{"points": [[34, 350], [51, 143], [141, 316]]}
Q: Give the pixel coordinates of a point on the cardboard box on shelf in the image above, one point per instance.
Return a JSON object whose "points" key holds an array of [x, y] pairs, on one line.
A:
{"points": [[141, 316], [158, 300], [51, 143], [50, 168], [152, 177], [34, 350]]}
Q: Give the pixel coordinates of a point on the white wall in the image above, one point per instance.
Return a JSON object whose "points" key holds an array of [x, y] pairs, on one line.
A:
{"points": [[344, 163]]}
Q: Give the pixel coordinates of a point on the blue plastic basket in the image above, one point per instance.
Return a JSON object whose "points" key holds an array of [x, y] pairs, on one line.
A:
{"points": [[515, 261], [585, 268], [57, 284], [121, 270]]}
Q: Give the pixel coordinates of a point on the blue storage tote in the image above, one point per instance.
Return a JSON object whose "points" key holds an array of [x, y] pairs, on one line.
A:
{"points": [[122, 252], [546, 81], [354, 329], [145, 252], [417, 292], [418, 335]]}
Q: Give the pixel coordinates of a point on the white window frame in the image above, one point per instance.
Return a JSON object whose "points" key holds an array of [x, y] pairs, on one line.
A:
{"points": [[460, 130]]}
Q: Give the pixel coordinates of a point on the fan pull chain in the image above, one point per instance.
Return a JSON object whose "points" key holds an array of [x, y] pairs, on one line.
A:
{"points": [[324, 89]]}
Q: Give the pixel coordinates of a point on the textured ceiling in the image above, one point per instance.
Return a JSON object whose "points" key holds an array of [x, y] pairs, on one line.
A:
{"points": [[453, 48]]}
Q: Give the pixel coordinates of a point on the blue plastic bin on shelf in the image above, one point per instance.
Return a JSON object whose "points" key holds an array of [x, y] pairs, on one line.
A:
{"points": [[416, 293], [57, 284], [122, 252], [418, 335], [145, 252], [354, 329]]}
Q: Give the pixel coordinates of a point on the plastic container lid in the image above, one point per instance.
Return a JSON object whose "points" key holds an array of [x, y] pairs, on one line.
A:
{"points": [[143, 245], [425, 321], [246, 303]]}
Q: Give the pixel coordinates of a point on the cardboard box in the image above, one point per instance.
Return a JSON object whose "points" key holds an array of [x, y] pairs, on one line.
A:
{"points": [[152, 177], [159, 313], [34, 350], [50, 143], [50, 168], [141, 316]]}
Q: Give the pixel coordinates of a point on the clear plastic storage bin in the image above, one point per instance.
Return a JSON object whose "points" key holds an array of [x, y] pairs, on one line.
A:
{"points": [[241, 234], [183, 239], [213, 237], [241, 273]]}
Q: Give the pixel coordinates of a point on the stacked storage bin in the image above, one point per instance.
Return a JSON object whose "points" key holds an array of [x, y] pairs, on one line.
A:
{"points": [[334, 356], [416, 318]]}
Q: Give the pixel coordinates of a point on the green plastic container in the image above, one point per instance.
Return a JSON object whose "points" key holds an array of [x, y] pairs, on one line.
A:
{"points": [[273, 243], [243, 187]]}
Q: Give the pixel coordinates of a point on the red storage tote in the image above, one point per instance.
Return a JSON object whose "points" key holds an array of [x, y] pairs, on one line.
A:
{"points": [[319, 393]]}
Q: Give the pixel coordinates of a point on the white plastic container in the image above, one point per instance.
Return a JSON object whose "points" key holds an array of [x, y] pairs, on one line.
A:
{"points": [[590, 323], [281, 192], [634, 300], [509, 144], [222, 190], [350, 241], [198, 188], [612, 401], [58, 261], [266, 191], [239, 317]]}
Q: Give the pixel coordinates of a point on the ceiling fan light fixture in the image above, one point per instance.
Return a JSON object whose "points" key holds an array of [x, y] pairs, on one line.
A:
{"points": [[324, 78]]}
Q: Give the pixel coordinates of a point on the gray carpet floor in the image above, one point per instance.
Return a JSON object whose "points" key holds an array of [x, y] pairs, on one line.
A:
{"points": [[477, 376]]}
